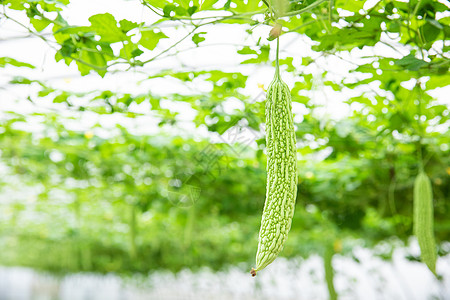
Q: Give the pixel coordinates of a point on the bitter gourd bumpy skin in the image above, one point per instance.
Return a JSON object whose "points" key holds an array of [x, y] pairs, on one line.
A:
{"points": [[281, 188]]}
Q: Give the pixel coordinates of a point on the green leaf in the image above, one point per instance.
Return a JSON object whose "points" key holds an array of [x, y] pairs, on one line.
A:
{"points": [[247, 50], [352, 6], [39, 24], [180, 11], [430, 31], [126, 25], [157, 3], [105, 25], [21, 80], [191, 10], [67, 30], [197, 39], [333, 85], [435, 23], [168, 9], [67, 48], [206, 4], [45, 91], [305, 84], [396, 121], [15, 4], [410, 62], [129, 50], [61, 98], [438, 81], [150, 39], [389, 8], [348, 38], [91, 60], [136, 53], [288, 62], [394, 26], [300, 99], [444, 21], [262, 55], [4, 61]]}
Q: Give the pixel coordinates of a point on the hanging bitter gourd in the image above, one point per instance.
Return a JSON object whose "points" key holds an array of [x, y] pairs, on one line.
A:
{"points": [[281, 188], [423, 220]]}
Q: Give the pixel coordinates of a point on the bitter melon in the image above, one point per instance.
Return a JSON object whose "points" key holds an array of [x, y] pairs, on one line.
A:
{"points": [[423, 220], [281, 188]]}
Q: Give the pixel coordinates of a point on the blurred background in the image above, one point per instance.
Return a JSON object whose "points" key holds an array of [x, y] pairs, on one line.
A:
{"points": [[132, 148]]}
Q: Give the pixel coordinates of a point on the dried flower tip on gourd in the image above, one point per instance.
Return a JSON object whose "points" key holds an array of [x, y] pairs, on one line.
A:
{"points": [[275, 32]]}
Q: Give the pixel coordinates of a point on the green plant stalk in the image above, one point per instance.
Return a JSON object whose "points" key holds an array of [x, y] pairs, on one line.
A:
{"points": [[329, 271], [277, 64]]}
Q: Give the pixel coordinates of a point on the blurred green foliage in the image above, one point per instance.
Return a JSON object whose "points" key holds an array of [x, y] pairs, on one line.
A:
{"points": [[136, 203]]}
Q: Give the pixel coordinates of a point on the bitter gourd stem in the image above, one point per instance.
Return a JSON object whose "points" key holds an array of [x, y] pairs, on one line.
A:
{"points": [[420, 127], [277, 68]]}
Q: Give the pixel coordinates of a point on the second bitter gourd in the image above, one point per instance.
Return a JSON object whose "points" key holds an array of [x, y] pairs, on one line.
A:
{"points": [[423, 220]]}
